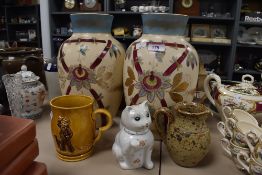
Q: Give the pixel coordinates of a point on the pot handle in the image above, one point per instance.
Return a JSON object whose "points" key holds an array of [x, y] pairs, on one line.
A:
{"points": [[225, 146], [221, 128], [250, 138], [206, 86], [246, 77], [159, 127], [243, 159], [109, 121], [230, 124]]}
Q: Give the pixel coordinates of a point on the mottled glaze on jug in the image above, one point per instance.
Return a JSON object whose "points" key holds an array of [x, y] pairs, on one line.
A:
{"points": [[187, 136]]}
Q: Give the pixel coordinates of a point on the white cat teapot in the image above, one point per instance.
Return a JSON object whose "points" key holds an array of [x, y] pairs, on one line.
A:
{"points": [[134, 142], [240, 95]]}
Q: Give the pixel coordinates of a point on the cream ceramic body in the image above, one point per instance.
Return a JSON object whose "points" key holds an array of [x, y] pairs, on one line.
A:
{"points": [[249, 163], [161, 66], [134, 142], [25, 93], [187, 136], [232, 150], [256, 150], [234, 116], [243, 96], [90, 62], [242, 129]]}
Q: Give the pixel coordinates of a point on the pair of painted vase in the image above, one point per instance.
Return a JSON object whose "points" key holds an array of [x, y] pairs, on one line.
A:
{"points": [[160, 67]]}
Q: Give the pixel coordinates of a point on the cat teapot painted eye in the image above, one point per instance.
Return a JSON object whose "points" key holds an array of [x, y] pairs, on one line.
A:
{"points": [[134, 142], [239, 95]]}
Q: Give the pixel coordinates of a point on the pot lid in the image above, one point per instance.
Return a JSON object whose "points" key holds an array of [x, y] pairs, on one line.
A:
{"points": [[246, 87], [27, 76]]}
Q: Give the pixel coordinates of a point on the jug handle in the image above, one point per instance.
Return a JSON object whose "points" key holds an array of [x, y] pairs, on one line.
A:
{"points": [[170, 119], [206, 86], [109, 122]]}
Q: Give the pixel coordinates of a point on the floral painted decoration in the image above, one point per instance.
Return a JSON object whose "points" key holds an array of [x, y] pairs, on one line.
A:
{"points": [[81, 76], [177, 87]]}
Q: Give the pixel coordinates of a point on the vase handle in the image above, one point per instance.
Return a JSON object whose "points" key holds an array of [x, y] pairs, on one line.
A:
{"points": [[159, 126], [109, 123], [206, 86]]}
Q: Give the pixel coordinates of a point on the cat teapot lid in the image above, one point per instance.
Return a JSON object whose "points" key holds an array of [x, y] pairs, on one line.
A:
{"points": [[27, 76]]}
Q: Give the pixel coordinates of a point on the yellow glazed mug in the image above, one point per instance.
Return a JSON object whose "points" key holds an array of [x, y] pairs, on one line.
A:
{"points": [[73, 126]]}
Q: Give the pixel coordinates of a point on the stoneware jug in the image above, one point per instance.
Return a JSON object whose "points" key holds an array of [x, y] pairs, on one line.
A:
{"points": [[134, 142], [25, 93], [73, 126], [90, 62], [161, 66], [187, 136]]}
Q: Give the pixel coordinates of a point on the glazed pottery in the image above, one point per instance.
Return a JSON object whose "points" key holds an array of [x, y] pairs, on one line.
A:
{"points": [[187, 136], [90, 62], [256, 150], [233, 116], [249, 163], [243, 128], [73, 126], [238, 115], [11, 60], [243, 95], [221, 127], [232, 151], [25, 93], [134, 142], [161, 66]]}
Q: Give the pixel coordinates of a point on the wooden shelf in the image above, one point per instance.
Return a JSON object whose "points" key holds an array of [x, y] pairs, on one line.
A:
{"points": [[60, 35], [254, 72], [126, 37], [22, 24], [244, 23], [124, 12], [209, 44], [249, 46], [203, 18], [68, 13]]}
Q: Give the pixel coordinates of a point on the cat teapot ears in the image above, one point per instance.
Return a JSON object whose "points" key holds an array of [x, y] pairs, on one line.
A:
{"points": [[145, 103]]}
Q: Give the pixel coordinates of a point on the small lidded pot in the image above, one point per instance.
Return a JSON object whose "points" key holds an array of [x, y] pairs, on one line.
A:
{"points": [[32, 93], [243, 95]]}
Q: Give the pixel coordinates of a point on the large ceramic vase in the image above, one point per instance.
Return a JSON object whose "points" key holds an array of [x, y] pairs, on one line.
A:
{"points": [[161, 66], [90, 62], [186, 134]]}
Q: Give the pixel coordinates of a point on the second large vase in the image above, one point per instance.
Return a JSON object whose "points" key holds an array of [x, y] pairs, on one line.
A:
{"points": [[161, 66], [90, 62]]}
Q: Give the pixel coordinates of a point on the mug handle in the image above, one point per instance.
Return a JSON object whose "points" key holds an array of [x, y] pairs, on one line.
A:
{"points": [[230, 125], [221, 128], [244, 162], [225, 145], [170, 118], [109, 121]]}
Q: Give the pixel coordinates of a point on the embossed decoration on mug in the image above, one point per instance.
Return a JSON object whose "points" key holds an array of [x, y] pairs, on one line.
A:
{"points": [[186, 136], [73, 126]]}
